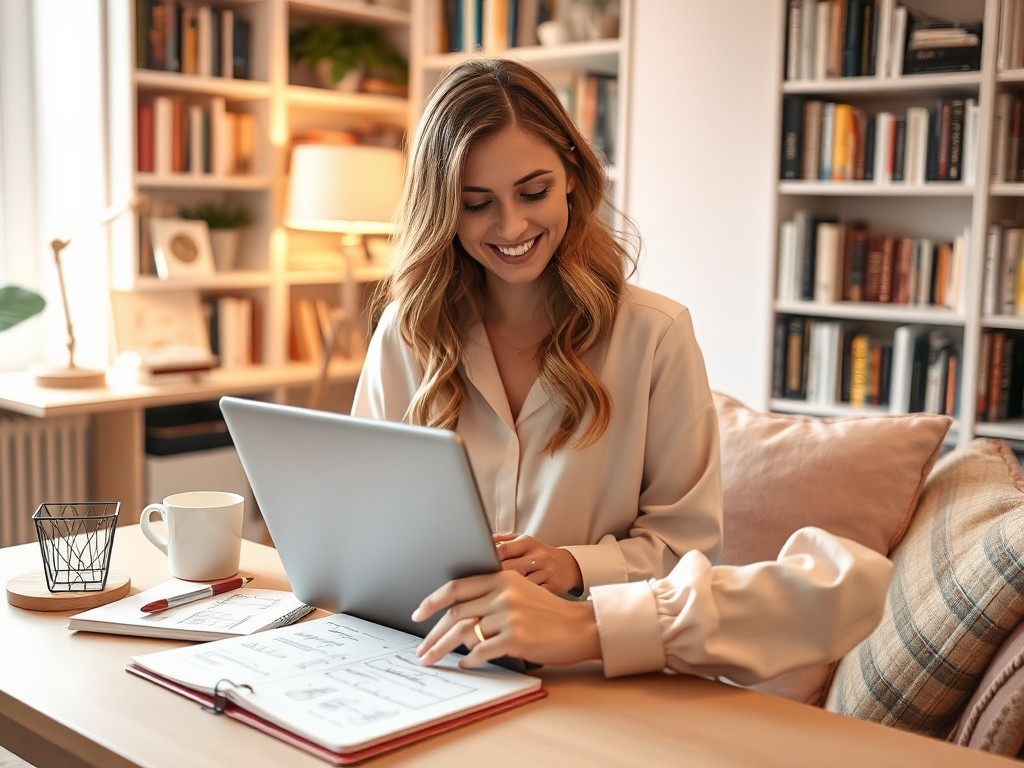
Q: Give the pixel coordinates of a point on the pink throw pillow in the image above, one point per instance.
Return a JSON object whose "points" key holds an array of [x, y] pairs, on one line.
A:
{"points": [[858, 477]]}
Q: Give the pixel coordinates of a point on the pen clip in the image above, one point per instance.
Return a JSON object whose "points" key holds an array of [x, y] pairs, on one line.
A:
{"points": [[220, 699]]}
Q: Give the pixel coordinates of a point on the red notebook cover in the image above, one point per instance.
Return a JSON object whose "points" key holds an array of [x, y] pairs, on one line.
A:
{"points": [[335, 758]]}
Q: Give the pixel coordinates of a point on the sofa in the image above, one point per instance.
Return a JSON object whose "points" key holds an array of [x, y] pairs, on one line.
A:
{"points": [[945, 660]]}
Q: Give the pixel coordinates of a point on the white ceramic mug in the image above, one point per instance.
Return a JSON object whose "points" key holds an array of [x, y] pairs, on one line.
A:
{"points": [[204, 533]]}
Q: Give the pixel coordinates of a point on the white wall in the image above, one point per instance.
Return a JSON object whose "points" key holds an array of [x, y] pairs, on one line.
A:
{"points": [[702, 161]]}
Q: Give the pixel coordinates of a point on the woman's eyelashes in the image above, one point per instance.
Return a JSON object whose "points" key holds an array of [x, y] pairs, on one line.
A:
{"points": [[530, 197]]}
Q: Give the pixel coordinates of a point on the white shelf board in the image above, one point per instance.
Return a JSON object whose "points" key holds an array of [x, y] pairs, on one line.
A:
{"points": [[357, 10], [201, 181], [1005, 430], [943, 81], [234, 279], [340, 101], [1007, 189], [834, 410], [231, 88], [595, 55], [890, 313], [873, 189], [1009, 322]]}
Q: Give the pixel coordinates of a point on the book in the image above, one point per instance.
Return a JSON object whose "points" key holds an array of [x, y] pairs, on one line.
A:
{"points": [[792, 119], [339, 687], [239, 613]]}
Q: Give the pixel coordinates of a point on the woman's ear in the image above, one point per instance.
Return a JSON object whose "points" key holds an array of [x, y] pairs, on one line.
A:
{"points": [[570, 183]]}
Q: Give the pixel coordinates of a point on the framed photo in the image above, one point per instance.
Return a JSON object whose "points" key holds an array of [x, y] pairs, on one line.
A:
{"points": [[159, 325], [181, 248]]}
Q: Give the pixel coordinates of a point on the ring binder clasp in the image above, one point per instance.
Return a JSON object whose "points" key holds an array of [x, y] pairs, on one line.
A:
{"points": [[220, 698]]}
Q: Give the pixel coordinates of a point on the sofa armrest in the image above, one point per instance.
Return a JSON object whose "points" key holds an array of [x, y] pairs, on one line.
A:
{"points": [[993, 720]]}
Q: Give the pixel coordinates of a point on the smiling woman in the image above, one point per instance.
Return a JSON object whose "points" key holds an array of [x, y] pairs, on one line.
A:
{"points": [[582, 400]]}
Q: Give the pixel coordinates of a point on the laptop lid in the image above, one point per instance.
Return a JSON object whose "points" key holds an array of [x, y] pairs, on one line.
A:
{"points": [[369, 517]]}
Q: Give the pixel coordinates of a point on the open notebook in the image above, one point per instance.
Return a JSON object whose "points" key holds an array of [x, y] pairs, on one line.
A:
{"points": [[339, 687]]}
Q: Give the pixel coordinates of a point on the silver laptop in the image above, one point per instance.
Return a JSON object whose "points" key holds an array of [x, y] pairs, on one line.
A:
{"points": [[369, 517]]}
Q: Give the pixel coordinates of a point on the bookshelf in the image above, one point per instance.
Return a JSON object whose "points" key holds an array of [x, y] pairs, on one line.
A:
{"points": [[566, 65], [926, 211], [276, 267]]}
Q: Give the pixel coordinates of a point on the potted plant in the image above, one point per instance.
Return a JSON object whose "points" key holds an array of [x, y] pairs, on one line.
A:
{"points": [[17, 304], [224, 222], [344, 53]]}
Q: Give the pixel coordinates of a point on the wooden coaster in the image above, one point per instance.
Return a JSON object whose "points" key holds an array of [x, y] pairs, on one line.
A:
{"points": [[29, 591]]}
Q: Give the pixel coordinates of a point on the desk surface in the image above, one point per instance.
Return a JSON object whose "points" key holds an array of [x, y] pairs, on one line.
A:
{"points": [[18, 392], [66, 700]]}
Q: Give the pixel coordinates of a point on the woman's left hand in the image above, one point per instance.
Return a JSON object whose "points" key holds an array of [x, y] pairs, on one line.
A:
{"points": [[514, 616], [553, 568]]}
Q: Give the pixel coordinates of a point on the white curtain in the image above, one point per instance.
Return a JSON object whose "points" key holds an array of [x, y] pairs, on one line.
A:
{"points": [[19, 252]]}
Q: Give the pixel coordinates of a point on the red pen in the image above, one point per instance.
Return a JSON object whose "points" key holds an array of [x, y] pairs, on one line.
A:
{"points": [[199, 594]]}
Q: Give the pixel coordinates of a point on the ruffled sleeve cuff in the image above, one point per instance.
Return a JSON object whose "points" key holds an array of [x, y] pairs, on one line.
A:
{"points": [[629, 627]]}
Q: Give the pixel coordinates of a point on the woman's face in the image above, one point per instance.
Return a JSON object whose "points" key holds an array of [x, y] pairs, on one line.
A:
{"points": [[514, 206]]}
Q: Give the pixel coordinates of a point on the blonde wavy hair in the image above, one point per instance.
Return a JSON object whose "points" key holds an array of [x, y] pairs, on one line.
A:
{"points": [[436, 284]]}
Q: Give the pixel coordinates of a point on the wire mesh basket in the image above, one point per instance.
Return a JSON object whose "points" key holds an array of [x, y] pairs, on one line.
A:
{"points": [[76, 541]]}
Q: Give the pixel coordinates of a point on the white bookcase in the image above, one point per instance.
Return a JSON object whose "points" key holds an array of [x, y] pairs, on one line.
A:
{"points": [[284, 103], [937, 210], [560, 63]]}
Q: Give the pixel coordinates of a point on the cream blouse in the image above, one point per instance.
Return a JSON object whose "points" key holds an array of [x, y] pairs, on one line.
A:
{"points": [[627, 507]]}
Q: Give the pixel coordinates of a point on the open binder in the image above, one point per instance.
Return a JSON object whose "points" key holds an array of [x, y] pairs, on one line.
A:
{"points": [[339, 688]]}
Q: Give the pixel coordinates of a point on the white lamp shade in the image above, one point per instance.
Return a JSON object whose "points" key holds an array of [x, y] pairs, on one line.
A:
{"points": [[344, 188]]}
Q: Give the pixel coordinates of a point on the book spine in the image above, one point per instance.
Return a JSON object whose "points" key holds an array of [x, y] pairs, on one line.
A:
{"points": [[144, 137], [808, 28], [792, 124], [859, 364], [858, 264], [828, 117], [956, 135], [827, 257], [984, 364], [990, 276], [842, 143], [883, 20], [227, 42], [886, 268], [163, 130], [873, 268], [795, 358], [899, 148], [779, 368], [1010, 260], [811, 140], [866, 160], [822, 36], [852, 40], [899, 39], [995, 375], [1000, 142]]}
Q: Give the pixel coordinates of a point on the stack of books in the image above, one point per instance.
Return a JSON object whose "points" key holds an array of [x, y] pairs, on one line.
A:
{"points": [[943, 46]]}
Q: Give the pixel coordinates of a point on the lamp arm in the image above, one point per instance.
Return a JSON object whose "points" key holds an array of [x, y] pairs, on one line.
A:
{"points": [[58, 246]]}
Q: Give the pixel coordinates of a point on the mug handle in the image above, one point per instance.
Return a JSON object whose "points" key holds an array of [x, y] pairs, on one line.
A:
{"points": [[150, 533]]}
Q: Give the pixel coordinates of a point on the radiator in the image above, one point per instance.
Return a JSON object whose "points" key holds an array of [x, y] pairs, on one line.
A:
{"points": [[41, 460]]}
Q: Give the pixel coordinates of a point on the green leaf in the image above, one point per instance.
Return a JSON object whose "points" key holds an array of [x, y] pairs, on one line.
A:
{"points": [[17, 304]]}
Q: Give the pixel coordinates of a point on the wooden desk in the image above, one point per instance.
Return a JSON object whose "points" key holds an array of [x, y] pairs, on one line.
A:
{"points": [[65, 700], [117, 434]]}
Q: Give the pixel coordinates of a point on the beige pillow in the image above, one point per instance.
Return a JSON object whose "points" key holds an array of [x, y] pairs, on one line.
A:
{"points": [[857, 477], [957, 593]]}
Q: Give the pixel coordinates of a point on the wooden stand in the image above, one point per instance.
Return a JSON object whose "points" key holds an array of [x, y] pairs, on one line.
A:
{"points": [[29, 591]]}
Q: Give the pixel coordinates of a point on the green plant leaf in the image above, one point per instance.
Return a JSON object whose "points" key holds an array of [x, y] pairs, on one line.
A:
{"points": [[17, 304], [218, 216]]}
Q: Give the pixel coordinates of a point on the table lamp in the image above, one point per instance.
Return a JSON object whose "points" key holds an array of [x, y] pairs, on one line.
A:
{"points": [[71, 376], [352, 190]]}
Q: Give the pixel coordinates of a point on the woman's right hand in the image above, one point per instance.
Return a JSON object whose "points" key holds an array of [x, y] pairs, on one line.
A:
{"points": [[516, 617]]}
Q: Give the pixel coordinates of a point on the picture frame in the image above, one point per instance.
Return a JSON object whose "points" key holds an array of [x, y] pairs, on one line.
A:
{"points": [[166, 326], [181, 248]]}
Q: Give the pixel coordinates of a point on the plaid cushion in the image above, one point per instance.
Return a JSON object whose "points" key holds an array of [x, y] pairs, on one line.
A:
{"points": [[956, 594]]}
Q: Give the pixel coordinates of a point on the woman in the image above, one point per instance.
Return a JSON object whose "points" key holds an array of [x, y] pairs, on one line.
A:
{"points": [[586, 412], [582, 400]]}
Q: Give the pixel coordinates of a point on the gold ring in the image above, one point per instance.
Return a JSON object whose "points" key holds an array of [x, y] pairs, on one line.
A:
{"points": [[533, 562], [479, 632]]}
